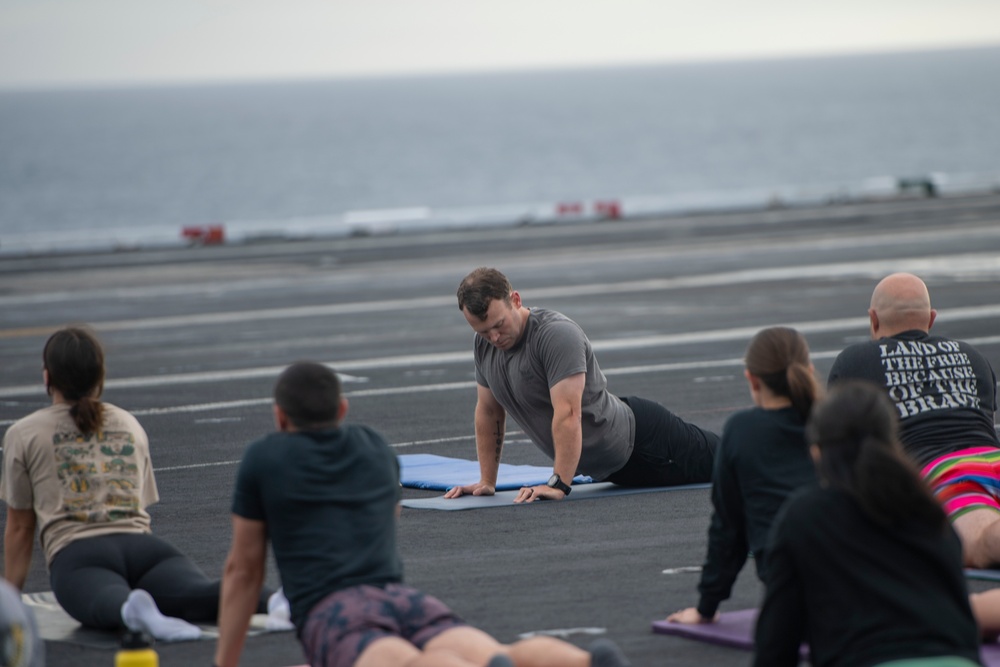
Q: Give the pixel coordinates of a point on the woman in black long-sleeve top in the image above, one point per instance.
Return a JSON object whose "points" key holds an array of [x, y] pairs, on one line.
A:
{"points": [[864, 568], [761, 460]]}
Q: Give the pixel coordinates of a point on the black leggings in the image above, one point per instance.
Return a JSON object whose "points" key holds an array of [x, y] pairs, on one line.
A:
{"points": [[668, 451], [92, 577]]}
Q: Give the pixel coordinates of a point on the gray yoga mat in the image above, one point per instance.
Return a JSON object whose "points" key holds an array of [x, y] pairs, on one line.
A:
{"points": [[56, 625], [440, 473], [506, 498]]}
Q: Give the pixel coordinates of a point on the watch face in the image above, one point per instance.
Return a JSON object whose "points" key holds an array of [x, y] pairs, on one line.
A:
{"points": [[556, 482]]}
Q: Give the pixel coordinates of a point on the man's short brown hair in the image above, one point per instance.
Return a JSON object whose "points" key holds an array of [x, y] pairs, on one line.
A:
{"points": [[478, 289]]}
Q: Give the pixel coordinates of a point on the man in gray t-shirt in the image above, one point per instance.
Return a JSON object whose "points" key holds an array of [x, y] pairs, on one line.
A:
{"points": [[538, 366]]}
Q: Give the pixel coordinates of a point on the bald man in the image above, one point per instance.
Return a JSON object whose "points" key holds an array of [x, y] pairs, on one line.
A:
{"points": [[945, 393]]}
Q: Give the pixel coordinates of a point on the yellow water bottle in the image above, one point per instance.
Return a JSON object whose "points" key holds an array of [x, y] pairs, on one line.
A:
{"points": [[136, 652]]}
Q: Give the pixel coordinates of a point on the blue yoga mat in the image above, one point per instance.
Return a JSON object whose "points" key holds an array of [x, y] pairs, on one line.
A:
{"points": [[440, 473]]}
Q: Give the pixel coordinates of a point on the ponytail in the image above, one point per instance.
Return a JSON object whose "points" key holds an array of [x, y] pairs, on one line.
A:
{"points": [[87, 414], [803, 389], [889, 487], [855, 430]]}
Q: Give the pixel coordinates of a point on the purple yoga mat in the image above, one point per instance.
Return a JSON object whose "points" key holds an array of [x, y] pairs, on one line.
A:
{"points": [[735, 630]]}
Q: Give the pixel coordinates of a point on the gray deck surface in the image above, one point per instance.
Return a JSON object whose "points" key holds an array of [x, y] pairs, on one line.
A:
{"points": [[196, 337]]}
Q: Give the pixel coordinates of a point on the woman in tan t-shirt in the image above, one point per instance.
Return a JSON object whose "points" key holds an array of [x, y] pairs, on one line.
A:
{"points": [[79, 471]]}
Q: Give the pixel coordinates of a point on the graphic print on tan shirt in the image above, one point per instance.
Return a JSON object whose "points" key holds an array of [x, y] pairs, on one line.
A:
{"points": [[99, 474]]}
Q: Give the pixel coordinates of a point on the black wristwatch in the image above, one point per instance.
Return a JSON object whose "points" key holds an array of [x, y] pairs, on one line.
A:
{"points": [[556, 483]]}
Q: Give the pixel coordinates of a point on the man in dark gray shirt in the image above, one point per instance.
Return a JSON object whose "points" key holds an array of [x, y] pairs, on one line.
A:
{"points": [[324, 494], [944, 392], [538, 366]]}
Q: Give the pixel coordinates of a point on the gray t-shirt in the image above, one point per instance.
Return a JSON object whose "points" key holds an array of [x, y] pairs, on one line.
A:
{"points": [[552, 348]]}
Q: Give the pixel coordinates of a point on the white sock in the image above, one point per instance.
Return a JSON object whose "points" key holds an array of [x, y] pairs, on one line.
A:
{"points": [[140, 614], [279, 612]]}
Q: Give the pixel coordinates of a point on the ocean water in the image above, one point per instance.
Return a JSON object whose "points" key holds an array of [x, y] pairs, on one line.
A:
{"points": [[79, 162]]}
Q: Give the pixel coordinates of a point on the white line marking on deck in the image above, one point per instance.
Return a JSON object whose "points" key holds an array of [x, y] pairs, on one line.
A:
{"points": [[563, 633], [398, 445], [979, 264], [404, 361], [449, 386]]}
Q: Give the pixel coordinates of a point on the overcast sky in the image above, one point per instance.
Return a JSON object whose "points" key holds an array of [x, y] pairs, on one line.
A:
{"points": [[47, 43]]}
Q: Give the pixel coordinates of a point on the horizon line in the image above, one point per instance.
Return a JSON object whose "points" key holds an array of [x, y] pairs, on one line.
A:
{"points": [[117, 84]]}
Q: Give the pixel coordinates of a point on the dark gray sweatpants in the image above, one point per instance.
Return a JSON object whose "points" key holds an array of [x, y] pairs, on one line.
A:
{"points": [[92, 577]]}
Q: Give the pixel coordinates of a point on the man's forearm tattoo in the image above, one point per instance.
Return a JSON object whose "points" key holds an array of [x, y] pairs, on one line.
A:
{"points": [[499, 434]]}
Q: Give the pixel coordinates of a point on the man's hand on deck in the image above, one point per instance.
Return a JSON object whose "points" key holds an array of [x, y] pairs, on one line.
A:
{"points": [[477, 489], [529, 494]]}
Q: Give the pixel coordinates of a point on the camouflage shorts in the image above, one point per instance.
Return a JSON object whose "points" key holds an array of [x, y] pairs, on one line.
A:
{"points": [[346, 622]]}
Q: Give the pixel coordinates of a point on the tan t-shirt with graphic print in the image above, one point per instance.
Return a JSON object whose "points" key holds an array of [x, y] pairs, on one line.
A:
{"points": [[78, 485]]}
